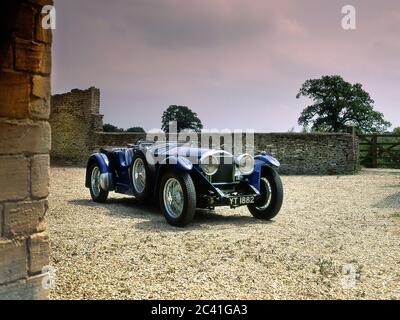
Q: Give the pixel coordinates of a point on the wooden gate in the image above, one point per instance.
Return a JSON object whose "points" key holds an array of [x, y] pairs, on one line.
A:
{"points": [[380, 150]]}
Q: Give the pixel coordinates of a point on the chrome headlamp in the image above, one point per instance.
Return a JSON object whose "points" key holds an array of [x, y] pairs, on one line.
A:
{"points": [[209, 164], [245, 163]]}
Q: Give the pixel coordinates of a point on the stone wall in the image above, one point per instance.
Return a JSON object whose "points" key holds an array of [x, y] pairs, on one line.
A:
{"points": [[79, 125], [308, 154], [79, 133], [25, 66], [76, 116], [311, 153]]}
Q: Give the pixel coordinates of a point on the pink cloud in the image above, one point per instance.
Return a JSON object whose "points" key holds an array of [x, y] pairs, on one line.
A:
{"points": [[227, 59]]}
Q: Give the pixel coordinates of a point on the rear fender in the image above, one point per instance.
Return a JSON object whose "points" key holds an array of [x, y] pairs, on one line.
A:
{"points": [[106, 177]]}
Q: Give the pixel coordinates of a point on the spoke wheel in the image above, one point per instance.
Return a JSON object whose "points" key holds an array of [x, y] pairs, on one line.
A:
{"points": [[271, 191], [96, 192], [177, 197], [139, 175], [173, 198], [266, 193], [95, 181]]}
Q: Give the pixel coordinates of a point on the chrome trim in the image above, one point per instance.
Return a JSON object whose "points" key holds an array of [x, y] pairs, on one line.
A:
{"points": [[106, 180], [214, 152], [173, 198], [139, 175], [208, 155], [254, 189], [239, 158]]}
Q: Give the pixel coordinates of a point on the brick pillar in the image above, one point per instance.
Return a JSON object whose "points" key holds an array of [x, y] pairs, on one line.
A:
{"points": [[25, 66]]}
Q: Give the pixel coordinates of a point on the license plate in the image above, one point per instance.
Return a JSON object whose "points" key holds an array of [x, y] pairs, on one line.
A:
{"points": [[238, 201]]}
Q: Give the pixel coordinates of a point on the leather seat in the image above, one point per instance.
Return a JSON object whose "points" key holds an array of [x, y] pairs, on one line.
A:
{"points": [[107, 151], [112, 155]]}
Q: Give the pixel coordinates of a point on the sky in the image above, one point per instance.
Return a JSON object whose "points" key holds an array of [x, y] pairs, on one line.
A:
{"points": [[237, 63]]}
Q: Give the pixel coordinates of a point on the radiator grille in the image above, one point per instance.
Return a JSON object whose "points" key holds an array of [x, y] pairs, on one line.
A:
{"points": [[226, 170]]}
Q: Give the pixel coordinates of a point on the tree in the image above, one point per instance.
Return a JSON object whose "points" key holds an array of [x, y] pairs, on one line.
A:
{"points": [[185, 118], [111, 128], [338, 105], [305, 129], [396, 130], [136, 129]]}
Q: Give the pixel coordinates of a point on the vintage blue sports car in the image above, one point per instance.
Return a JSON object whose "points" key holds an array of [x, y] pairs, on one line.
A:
{"points": [[181, 177]]}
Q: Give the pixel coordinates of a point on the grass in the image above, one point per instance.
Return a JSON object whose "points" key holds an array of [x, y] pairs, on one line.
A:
{"points": [[326, 267], [396, 215]]}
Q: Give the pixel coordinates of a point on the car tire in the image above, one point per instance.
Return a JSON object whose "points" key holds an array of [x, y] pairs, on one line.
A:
{"points": [[96, 192], [271, 190], [177, 213], [140, 177]]}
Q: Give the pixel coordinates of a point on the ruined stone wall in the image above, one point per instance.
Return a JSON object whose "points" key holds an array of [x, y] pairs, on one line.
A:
{"points": [[25, 66], [76, 116], [79, 125]]}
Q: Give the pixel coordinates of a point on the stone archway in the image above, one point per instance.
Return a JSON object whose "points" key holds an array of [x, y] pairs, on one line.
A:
{"points": [[25, 67]]}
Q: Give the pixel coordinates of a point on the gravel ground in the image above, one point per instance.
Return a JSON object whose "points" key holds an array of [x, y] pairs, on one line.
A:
{"points": [[335, 238]]}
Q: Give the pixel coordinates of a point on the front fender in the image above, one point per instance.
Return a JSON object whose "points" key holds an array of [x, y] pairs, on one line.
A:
{"points": [[261, 161], [268, 160], [104, 166], [178, 162]]}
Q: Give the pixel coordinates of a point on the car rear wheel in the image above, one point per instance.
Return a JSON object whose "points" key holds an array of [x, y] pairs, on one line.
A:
{"points": [[140, 177], [177, 198], [271, 200], [96, 192]]}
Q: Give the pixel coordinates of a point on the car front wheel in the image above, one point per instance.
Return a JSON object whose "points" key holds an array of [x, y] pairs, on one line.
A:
{"points": [[177, 198], [271, 200]]}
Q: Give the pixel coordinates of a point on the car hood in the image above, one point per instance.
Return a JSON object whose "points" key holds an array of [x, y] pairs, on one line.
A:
{"points": [[183, 151]]}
